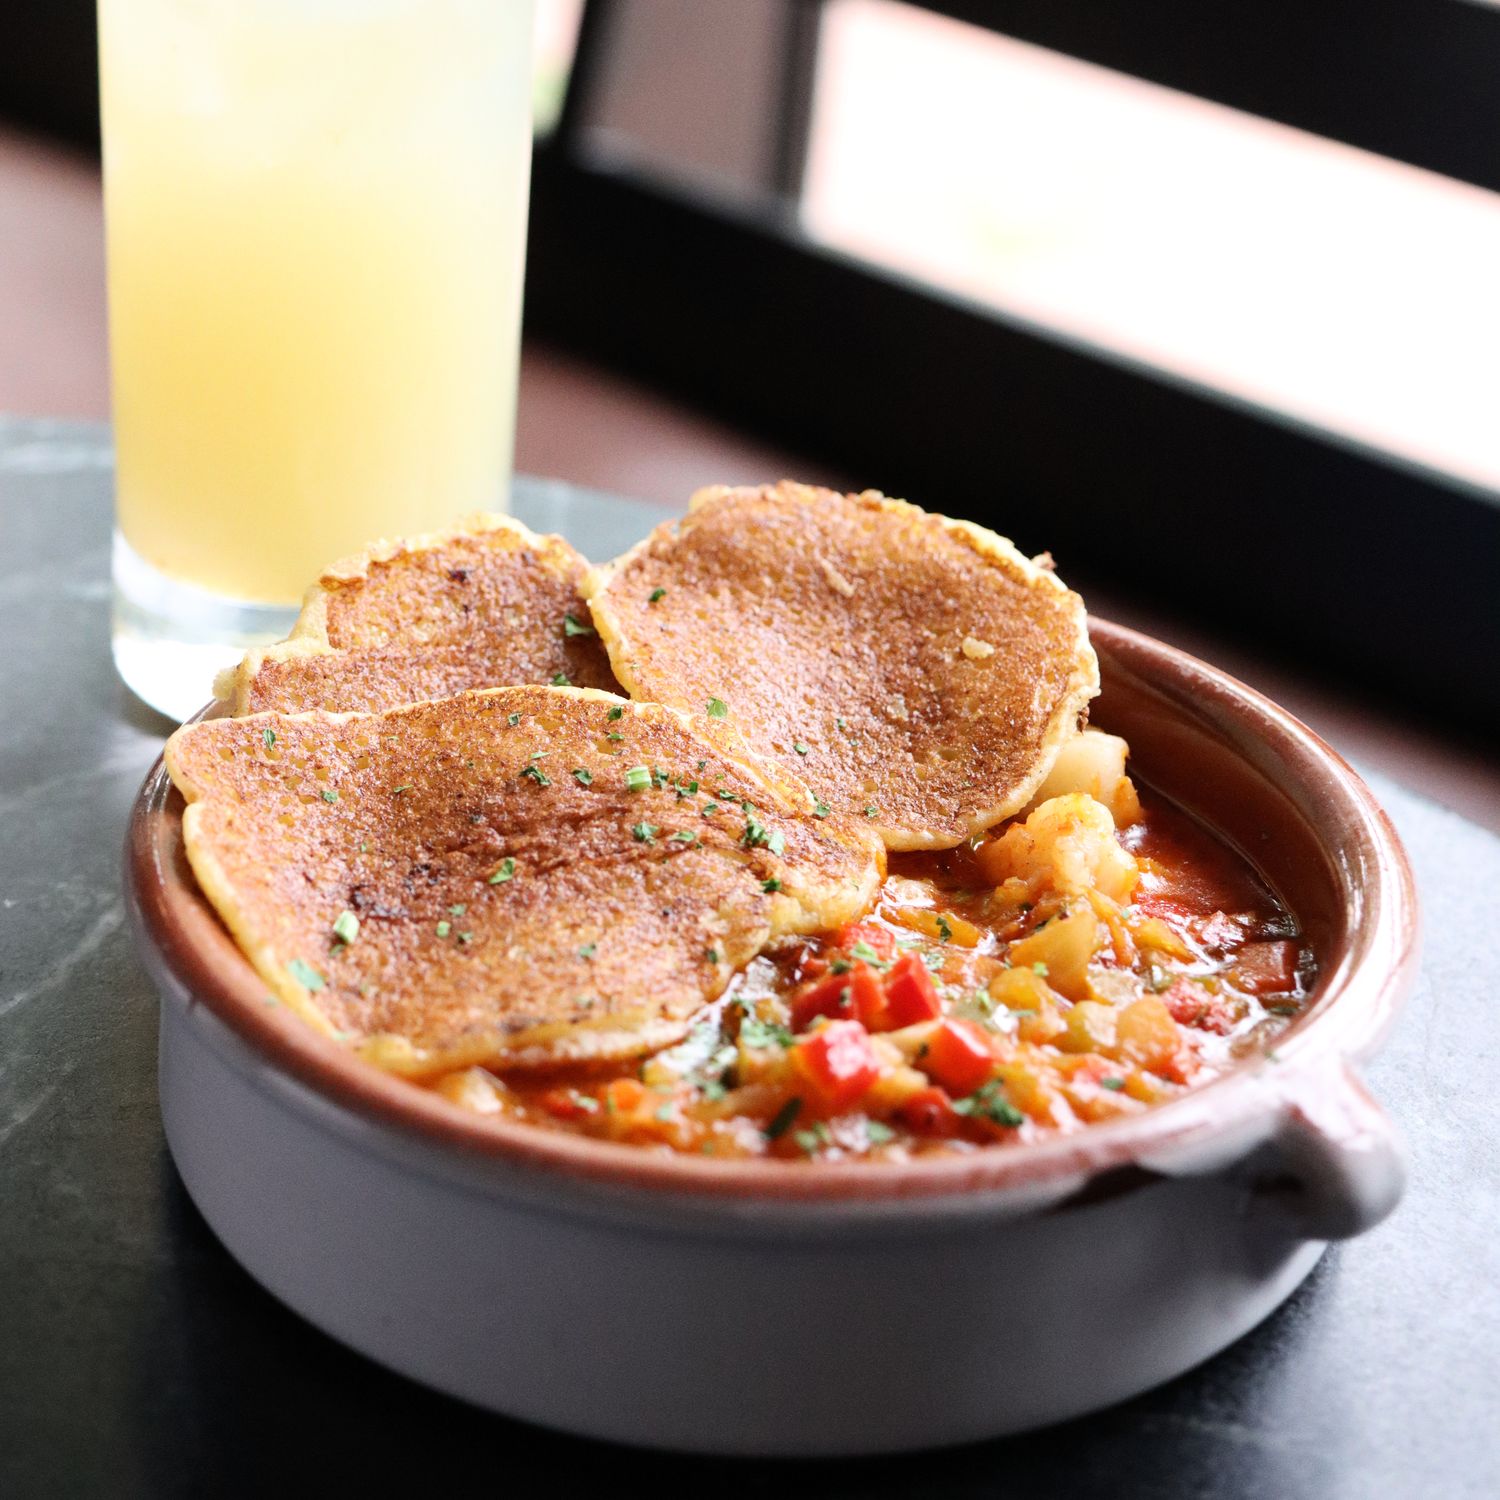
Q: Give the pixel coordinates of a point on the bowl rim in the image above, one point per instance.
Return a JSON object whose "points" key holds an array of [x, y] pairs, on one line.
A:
{"points": [[1351, 1007]]}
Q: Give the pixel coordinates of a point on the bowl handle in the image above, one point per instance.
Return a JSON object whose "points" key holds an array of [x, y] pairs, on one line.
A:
{"points": [[1343, 1165]]}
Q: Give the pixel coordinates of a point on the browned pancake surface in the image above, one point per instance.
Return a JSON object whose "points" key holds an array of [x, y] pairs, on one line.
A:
{"points": [[914, 671], [517, 901], [484, 605]]}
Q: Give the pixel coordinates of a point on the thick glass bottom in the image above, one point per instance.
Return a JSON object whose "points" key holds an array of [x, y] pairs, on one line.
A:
{"points": [[170, 638]]}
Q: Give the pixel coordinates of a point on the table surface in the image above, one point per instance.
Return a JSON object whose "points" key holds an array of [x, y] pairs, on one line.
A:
{"points": [[136, 1358]]}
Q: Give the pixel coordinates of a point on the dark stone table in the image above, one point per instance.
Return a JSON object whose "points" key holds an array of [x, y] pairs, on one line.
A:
{"points": [[137, 1359]]}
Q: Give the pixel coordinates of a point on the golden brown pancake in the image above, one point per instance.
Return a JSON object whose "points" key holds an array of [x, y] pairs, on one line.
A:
{"points": [[482, 879], [486, 604], [914, 671]]}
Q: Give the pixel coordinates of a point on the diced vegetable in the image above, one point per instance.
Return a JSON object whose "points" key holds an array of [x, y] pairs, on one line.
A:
{"points": [[856, 995], [1265, 968], [1067, 845], [837, 1063], [958, 1056], [881, 941], [931, 1113], [1064, 948], [910, 994], [940, 926]]}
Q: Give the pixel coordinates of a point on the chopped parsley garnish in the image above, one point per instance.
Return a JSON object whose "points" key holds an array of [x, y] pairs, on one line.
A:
{"points": [[562, 680], [877, 1132], [305, 975], [1112, 1083], [444, 928], [870, 811], [614, 734], [711, 954], [867, 954], [840, 965], [616, 712], [328, 794], [458, 909], [755, 835], [934, 961], [655, 595], [944, 930], [717, 708], [682, 836], [583, 776], [989, 1102], [539, 755], [770, 886], [401, 789], [466, 937], [757, 1033], [645, 832], [665, 1111], [783, 1121], [817, 1135], [572, 626], [512, 719], [269, 736], [588, 950], [637, 779], [820, 808], [1039, 969], [537, 775], [712, 807], [507, 871], [346, 927], [800, 747]]}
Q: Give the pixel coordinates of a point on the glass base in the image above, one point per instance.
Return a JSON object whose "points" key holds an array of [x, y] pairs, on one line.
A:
{"points": [[170, 639]]}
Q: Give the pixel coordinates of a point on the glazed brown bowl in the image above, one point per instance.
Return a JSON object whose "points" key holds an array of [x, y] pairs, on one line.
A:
{"points": [[1255, 1169]]}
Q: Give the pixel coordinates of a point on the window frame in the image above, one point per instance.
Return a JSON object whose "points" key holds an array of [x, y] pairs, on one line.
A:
{"points": [[1350, 560]]}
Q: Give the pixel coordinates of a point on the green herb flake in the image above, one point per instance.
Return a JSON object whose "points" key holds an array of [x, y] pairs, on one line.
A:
{"points": [[305, 975], [944, 930], [870, 811], [710, 809], [757, 1033], [989, 1102], [682, 836], [1039, 969], [614, 734], [507, 871], [269, 736], [583, 776], [512, 719], [770, 886], [637, 779], [588, 950], [617, 712], [401, 789], [666, 1111], [328, 794], [935, 961], [712, 955], [840, 966], [1112, 1083], [811, 1139], [800, 747], [820, 808], [346, 927], [655, 595], [466, 937], [718, 708], [444, 928], [572, 626], [458, 909], [645, 833], [877, 1132], [539, 776], [866, 954], [783, 1121], [562, 680]]}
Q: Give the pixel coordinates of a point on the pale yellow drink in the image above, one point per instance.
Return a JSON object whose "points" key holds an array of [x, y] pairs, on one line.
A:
{"points": [[316, 228]]}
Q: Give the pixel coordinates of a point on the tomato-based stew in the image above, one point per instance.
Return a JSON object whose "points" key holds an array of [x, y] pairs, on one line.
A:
{"points": [[1098, 955]]}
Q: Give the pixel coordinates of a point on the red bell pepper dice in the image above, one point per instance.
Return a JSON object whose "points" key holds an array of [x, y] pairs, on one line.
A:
{"points": [[881, 941], [1265, 968], [855, 995], [839, 1064], [931, 1113], [910, 994], [958, 1056]]}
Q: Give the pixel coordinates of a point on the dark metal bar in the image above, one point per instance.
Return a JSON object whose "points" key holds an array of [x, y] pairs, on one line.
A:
{"points": [[1368, 568], [1414, 80], [799, 67]]}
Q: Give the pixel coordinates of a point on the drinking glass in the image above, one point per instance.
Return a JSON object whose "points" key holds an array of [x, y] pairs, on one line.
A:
{"points": [[316, 217]]}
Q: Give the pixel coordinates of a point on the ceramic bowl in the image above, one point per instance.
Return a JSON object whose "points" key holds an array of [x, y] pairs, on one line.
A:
{"points": [[817, 1308]]}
